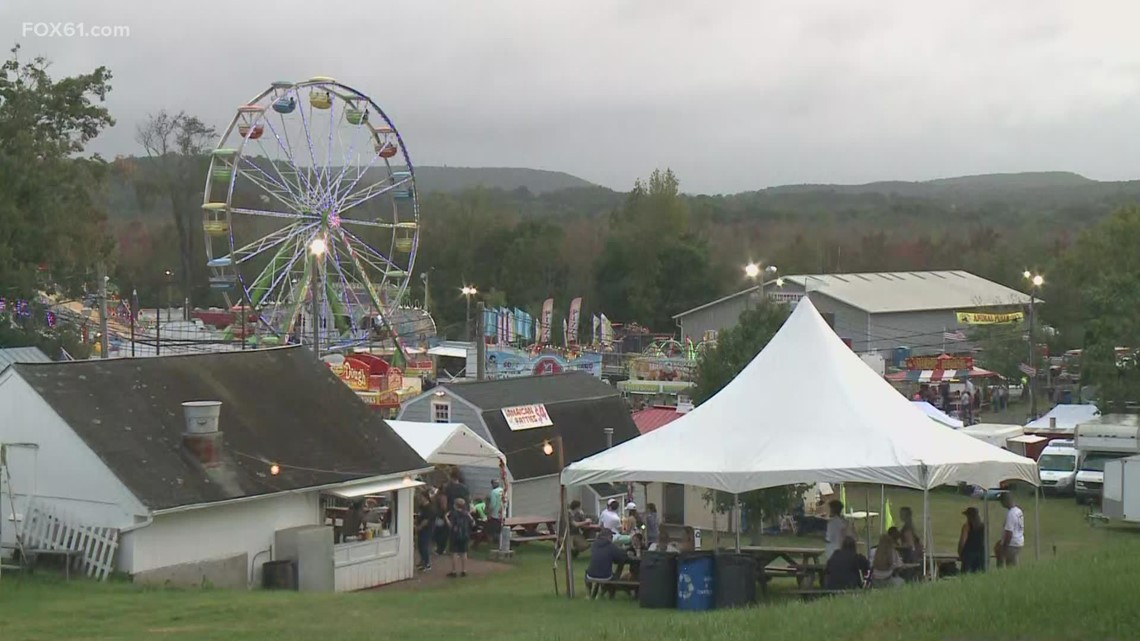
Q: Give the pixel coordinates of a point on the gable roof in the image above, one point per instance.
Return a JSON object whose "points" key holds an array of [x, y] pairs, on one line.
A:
{"points": [[885, 292], [581, 406], [278, 406], [11, 355], [528, 390], [651, 418]]}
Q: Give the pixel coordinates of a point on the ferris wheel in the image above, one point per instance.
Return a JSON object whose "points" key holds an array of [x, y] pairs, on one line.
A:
{"points": [[311, 216]]}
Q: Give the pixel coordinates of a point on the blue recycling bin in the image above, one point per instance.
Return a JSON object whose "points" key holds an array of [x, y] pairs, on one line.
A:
{"points": [[695, 581]]}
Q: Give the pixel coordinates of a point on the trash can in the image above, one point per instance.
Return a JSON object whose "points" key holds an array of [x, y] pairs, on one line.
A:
{"points": [[695, 581], [735, 580], [658, 578], [279, 575]]}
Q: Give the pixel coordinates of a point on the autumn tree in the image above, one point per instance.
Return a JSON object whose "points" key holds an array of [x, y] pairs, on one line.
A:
{"points": [[176, 146]]}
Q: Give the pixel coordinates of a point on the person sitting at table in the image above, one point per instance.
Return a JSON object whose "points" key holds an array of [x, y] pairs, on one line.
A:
{"points": [[610, 520], [689, 544], [846, 568], [632, 521], [479, 511], [664, 544], [911, 538], [578, 524], [604, 554], [886, 564]]}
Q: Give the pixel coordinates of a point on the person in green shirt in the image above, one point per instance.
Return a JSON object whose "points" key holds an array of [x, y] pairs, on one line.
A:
{"points": [[479, 510]]}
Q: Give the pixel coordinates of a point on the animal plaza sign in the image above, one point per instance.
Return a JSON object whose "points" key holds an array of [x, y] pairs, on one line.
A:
{"points": [[982, 318], [944, 363]]}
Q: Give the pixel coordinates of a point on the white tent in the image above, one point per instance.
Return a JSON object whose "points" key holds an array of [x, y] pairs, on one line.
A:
{"points": [[806, 409], [995, 434], [448, 443], [938, 415], [1068, 417]]}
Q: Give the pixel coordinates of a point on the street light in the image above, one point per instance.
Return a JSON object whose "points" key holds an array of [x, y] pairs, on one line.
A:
{"points": [[753, 271], [1035, 283], [468, 291], [317, 247]]}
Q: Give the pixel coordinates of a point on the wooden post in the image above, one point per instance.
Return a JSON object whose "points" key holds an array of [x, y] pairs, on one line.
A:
{"points": [[564, 520], [480, 344]]}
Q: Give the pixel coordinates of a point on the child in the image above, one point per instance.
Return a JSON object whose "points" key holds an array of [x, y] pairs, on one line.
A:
{"points": [[459, 523]]}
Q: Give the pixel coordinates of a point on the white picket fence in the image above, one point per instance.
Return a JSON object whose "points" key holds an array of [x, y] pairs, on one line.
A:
{"points": [[47, 528]]}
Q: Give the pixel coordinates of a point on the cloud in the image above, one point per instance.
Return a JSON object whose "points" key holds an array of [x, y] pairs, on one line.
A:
{"points": [[733, 95]]}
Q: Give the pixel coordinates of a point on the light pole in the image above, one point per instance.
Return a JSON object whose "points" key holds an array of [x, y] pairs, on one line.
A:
{"points": [[753, 272], [553, 447], [1035, 283], [317, 248], [468, 292]]}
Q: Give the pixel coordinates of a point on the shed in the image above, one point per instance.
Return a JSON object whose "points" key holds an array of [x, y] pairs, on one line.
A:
{"points": [[575, 406], [201, 499]]}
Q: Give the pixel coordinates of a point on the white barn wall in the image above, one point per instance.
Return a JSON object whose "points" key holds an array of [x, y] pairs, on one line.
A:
{"points": [[66, 474], [536, 497], [209, 533]]}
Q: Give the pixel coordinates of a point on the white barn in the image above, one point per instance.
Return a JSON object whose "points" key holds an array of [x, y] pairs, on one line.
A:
{"points": [[105, 443]]}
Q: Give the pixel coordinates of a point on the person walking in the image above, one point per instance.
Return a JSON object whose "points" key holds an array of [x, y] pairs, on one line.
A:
{"points": [[425, 528], [459, 523], [1008, 548]]}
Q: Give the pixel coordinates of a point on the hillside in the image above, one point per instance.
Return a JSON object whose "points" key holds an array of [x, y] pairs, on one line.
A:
{"points": [[537, 181]]}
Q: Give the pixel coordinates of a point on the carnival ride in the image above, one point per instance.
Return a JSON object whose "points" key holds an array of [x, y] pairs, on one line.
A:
{"points": [[311, 216]]}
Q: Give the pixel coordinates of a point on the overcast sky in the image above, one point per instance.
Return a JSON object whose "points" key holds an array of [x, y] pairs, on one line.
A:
{"points": [[732, 94]]}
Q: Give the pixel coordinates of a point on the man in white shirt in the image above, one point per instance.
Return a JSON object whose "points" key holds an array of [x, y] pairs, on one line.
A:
{"points": [[837, 529], [609, 519], [1008, 549]]}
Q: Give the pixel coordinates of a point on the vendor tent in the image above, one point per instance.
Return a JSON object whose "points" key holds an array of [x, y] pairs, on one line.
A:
{"points": [[938, 415], [448, 444], [1067, 418], [806, 409], [939, 375]]}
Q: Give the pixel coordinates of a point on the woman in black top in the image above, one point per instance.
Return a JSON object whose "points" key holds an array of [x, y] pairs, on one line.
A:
{"points": [[972, 542]]}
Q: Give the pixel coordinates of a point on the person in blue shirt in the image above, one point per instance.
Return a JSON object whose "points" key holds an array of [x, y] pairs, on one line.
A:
{"points": [[604, 554]]}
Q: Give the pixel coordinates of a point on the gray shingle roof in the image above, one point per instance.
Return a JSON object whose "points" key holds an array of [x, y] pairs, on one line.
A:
{"points": [[278, 405]]}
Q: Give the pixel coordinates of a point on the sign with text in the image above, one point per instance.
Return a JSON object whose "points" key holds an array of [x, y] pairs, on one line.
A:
{"points": [[526, 417], [983, 318], [942, 363]]}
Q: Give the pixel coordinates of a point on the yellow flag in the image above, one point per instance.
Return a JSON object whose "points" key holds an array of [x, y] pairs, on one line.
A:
{"points": [[888, 520]]}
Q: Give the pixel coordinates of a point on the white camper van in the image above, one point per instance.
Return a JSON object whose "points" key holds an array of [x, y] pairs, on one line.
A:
{"points": [[1057, 467], [1100, 440]]}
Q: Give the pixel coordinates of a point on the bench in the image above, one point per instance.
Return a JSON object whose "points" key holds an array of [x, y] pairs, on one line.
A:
{"points": [[595, 588], [812, 594], [520, 540]]}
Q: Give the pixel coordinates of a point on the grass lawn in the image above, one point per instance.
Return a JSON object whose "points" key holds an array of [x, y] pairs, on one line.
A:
{"points": [[1084, 591]]}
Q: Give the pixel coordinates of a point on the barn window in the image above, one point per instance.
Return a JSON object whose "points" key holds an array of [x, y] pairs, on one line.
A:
{"points": [[440, 412]]}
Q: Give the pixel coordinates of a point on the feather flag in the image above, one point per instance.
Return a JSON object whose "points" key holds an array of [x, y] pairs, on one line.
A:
{"points": [[575, 321], [565, 333], [597, 322], [490, 323], [607, 331], [547, 321], [888, 520], [843, 498]]}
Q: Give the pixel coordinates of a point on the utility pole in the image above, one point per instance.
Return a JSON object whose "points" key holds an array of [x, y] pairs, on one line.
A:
{"points": [[103, 342], [134, 317], [1032, 354], [480, 344]]}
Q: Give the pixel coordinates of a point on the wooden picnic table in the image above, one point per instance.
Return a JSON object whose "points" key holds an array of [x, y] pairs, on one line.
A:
{"points": [[801, 562], [530, 525]]}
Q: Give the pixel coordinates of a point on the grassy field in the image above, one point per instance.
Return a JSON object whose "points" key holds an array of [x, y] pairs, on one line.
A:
{"points": [[1082, 591]]}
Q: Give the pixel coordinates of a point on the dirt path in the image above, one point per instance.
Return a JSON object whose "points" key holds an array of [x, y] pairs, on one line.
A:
{"points": [[437, 575]]}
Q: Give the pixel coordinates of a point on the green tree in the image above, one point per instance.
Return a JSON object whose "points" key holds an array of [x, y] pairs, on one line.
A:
{"points": [[51, 223], [735, 349], [1003, 348], [1104, 268]]}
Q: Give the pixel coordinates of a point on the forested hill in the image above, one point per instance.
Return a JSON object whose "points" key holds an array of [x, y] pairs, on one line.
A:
{"points": [[452, 179]]}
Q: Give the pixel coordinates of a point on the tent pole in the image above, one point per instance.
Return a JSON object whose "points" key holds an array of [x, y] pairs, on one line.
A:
{"points": [[926, 529], [986, 528], [867, 496], [736, 506], [1036, 523], [882, 508], [716, 523]]}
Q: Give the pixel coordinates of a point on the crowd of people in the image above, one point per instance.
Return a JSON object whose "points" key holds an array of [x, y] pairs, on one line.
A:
{"points": [[448, 519], [899, 554]]}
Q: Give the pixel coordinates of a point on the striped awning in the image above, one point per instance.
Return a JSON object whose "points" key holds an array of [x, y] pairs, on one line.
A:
{"points": [[938, 375]]}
